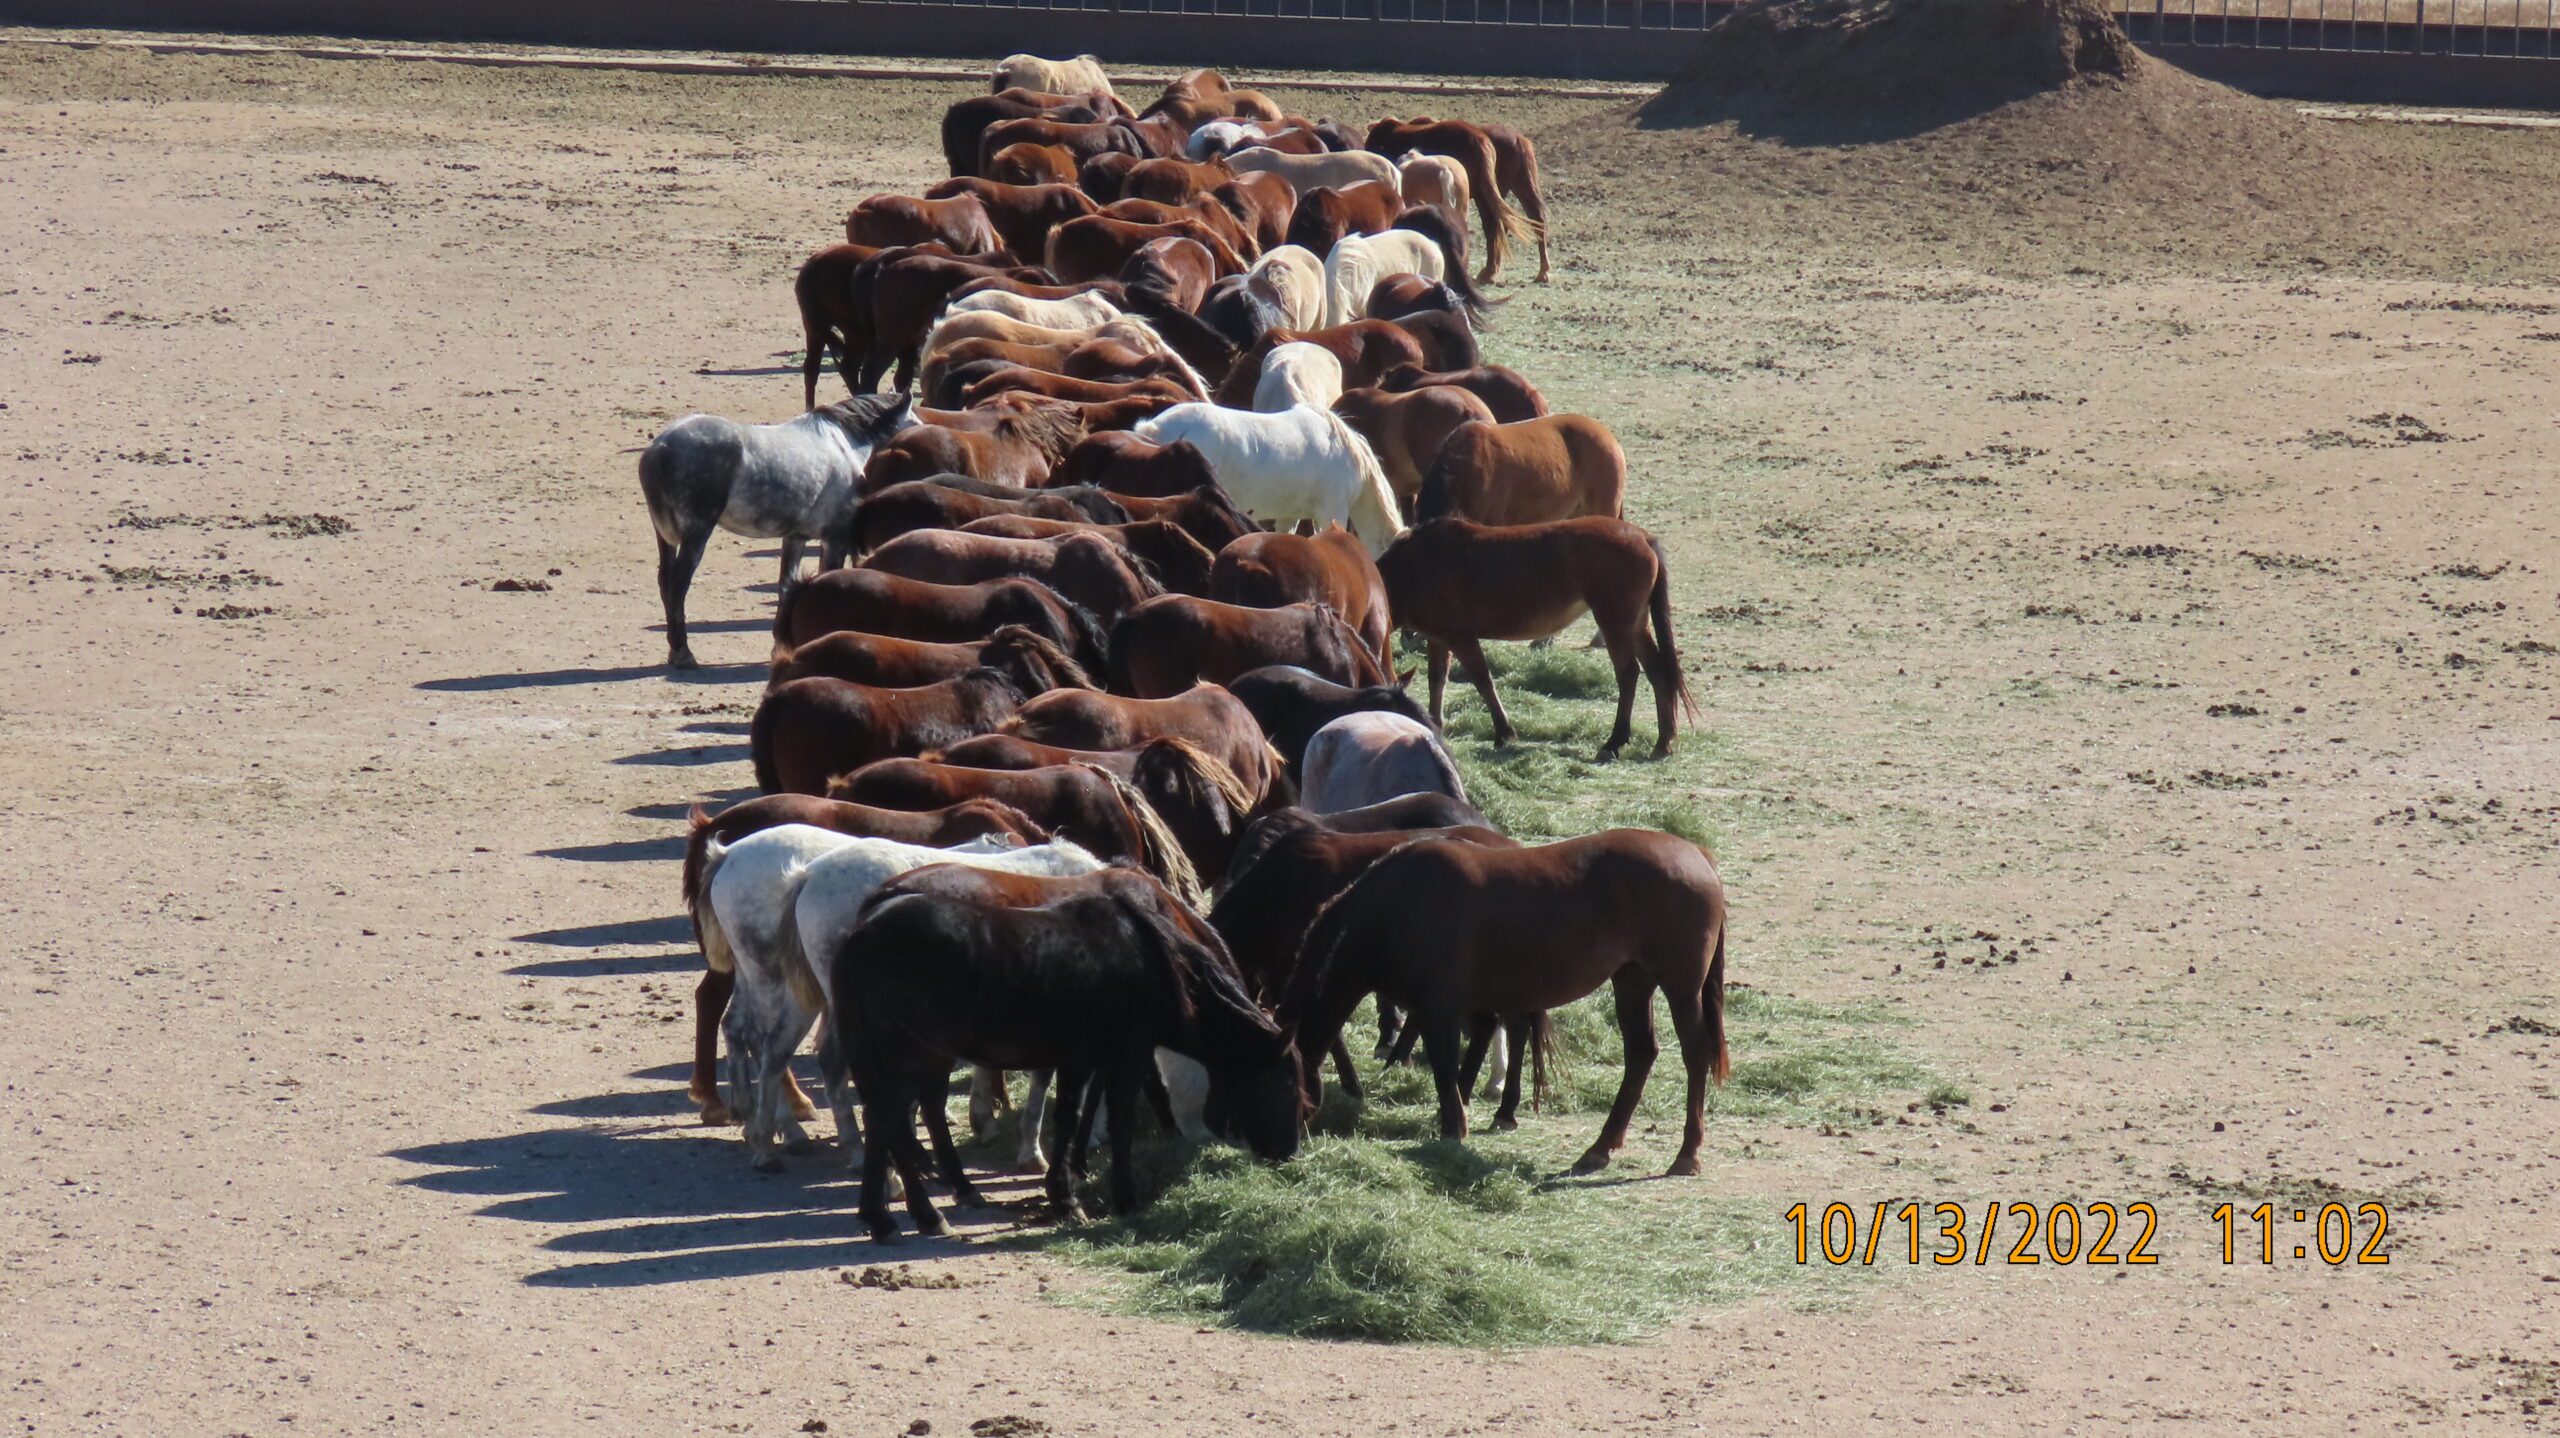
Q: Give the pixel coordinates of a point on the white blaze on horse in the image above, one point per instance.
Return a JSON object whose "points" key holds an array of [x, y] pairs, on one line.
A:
{"points": [[1298, 373], [775, 901], [792, 481], [1303, 464]]}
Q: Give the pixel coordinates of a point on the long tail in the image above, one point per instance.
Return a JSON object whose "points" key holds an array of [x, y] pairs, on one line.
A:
{"points": [[697, 838], [706, 921], [1660, 602], [1374, 498], [1162, 852], [760, 746], [1542, 1055], [782, 606], [1722, 1064]]}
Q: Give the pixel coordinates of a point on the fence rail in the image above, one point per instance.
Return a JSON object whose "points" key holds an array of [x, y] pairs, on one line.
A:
{"points": [[2462, 29], [1685, 16]]}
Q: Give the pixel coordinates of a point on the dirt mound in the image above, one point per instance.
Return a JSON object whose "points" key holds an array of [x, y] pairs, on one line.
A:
{"points": [[1891, 65]]}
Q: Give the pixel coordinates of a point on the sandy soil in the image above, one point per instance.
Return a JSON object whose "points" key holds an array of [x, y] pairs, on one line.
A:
{"points": [[343, 1071]]}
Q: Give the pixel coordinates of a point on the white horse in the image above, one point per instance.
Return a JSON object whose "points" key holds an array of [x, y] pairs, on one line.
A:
{"points": [[1218, 137], [773, 906], [792, 481], [1079, 76], [1287, 284], [1298, 373], [1075, 312], [1338, 168], [1358, 262], [1301, 464]]}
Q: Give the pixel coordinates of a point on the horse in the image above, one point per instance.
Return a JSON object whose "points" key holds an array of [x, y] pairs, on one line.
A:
{"points": [[1407, 430], [1203, 511], [1085, 803], [1325, 215], [1173, 182], [966, 121], [1104, 176], [938, 829], [1127, 466], [1166, 645], [1088, 569], [1366, 348], [1505, 391], [1265, 571], [1297, 373], [901, 608], [1372, 755], [960, 223], [1337, 170], [981, 386], [1450, 930], [1200, 209], [1263, 204], [1559, 466], [1007, 751], [1076, 312], [792, 481], [1025, 163], [1022, 215], [1096, 246], [1474, 150], [958, 327], [823, 290], [1192, 111], [1081, 75], [807, 731], [1395, 297], [1175, 271], [1458, 583], [884, 514], [1303, 464], [1215, 139], [1019, 447], [764, 899], [1199, 801], [1357, 262], [1291, 704], [1433, 180], [1078, 143], [907, 289], [1205, 716], [1163, 548], [1448, 341], [888, 663], [1286, 286], [1090, 981]]}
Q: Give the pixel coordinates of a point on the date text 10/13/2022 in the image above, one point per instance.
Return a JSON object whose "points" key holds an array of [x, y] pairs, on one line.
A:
{"points": [[2090, 1235]]}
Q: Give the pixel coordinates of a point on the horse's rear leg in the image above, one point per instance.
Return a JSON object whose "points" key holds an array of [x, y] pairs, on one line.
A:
{"points": [[1689, 1022], [676, 564], [1027, 1158], [1664, 676], [1121, 1091], [1391, 1021], [793, 547], [1470, 652], [810, 364], [1440, 1046], [1517, 1030], [1342, 1070], [1622, 659], [946, 1155], [1534, 205], [710, 1001], [838, 1082], [1634, 993]]}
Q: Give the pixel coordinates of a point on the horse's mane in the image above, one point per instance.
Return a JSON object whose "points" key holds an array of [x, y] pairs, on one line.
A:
{"points": [[1264, 835], [1088, 630], [1051, 429], [1331, 930], [1159, 851], [1210, 981], [1058, 668], [1373, 487], [1156, 340], [1196, 769], [863, 415], [1215, 496]]}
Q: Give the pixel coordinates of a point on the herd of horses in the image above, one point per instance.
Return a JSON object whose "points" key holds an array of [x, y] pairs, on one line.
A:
{"points": [[1083, 752]]}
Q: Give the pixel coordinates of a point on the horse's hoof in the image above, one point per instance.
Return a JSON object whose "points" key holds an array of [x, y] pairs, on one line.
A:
{"points": [[885, 1233], [715, 1114], [1505, 1123], [1685, 1166], [799, 1144], [1592, 1162], [1029, 1163], [935, 1227], [1608, 755], [967, 1196], [766, 1163], [682, 659]]}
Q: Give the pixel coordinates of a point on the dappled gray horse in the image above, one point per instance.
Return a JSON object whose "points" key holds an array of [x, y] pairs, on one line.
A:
{"points": [[792, 481], [1362, 758]]}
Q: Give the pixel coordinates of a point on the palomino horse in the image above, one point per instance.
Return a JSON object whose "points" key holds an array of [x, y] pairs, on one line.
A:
{"points": [[1458, 583], [1090, 981], [1560, 466], [938, 829], [1364, 758], [1306, 172], [1079, 76], [1407, 430], [1287, 286], [1075, 312], [792, 481], [1504, 391], [907, 663], [1297, 373], [1302, 465], [1265, 571], [757, 898], [902, 608], [1168, 644], [1432, 180], [1451, 930], [1290, 704], [1088, 569]]}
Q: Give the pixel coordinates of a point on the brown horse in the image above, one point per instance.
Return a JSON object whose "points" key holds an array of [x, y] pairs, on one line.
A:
{"points": [[1081, 804], [1205, 716], [884, 514], [909, 663], [1177, 270], [1016, 379], [961, 223], [1089, 569], [1081, 142], [1560, 466], [807, 731], [905, 289], [1020, 445], [1368, 349], [1505, 391], [1266, 571], [1205, 512], [1178, 561], [1474, 151], [1458, 583], [1325, 214], [1006, 751], [1029, 164], [1022, 215], [933, 828], [876, 603], [1449, 929], [1407, 430], [1447, 338], [1395, 296], [1220, 220], [1174, 182], [965, 123], [1166, 645], [1104, 176], [1264, 204], [1097, 246], [828, 318], [1127, 465]]}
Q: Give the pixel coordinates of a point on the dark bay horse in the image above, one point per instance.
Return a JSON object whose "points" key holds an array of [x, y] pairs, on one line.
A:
{"points": [[807, 731], [1122, 463], [1450, 930], [1205, 716], [876, 603], [1505, 391], [1290, 704], [1167, 644], [1161, 547], [908, 663], [1090, 569], [915, 504], [1266, 571]]}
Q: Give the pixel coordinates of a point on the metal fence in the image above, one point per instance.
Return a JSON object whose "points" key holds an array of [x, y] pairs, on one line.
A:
{"points": [[1685, 16], [2462, 29]]}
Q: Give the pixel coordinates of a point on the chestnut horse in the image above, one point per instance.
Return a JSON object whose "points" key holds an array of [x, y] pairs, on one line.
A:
{"points": [[1325, 214], [1205, 512], [1559, 466], [1166, 645], [807, 731], [1079, 142], [966, 121], [1088, 569], [1124, 464], [1450, 930], [1096, 246], [1022, 215], [877, 603], [1201, 209], [1505, 391], [960, 223], [828, 318], [1173, 182], [1178, 561], [1459, 583], [1473, 148], [1030, 164], [1447, 337], [884, 514], [907, 663], [1019, 447], [1267, 571], [1368, 350], [1264, 204], [1204, 716], [1407, 430]]}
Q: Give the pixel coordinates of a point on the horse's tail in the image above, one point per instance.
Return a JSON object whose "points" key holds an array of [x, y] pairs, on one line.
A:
{"points": [[1432, 223], [1155, 337], [716, 952], [797, 975], [1432, 500], [816, 330], [1542, 1057], [760, 744], [697, 839], [1659, 601], [1720, 1061], [783, 603], [1159, 852], [1372, 498]]}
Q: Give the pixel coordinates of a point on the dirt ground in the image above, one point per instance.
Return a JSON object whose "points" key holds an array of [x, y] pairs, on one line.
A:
{"points": [[2180, 623]]}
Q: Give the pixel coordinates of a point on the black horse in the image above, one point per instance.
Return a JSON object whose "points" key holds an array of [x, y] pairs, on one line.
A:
{"points": [[1291, 704], [1088, 976]]}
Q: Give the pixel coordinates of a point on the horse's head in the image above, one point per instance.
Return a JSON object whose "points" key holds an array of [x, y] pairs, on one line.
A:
{"points": [[867, 419], [1260, 1103]]}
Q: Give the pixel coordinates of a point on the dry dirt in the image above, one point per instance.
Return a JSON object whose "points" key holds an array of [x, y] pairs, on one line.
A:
{"points": [[2192, 617]]}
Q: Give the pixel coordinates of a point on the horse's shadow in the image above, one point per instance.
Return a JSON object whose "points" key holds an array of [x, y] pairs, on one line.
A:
{"points": [[680, 758], [559, 678]]}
